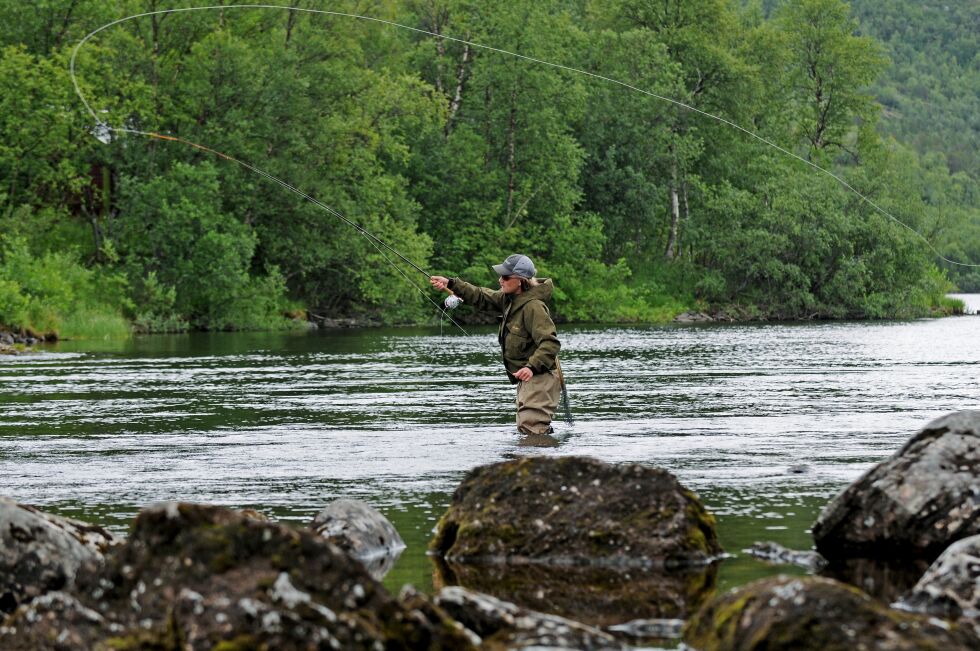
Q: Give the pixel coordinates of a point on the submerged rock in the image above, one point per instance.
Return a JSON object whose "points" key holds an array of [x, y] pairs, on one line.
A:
{"points": [[575, 510], [203, 577], [598, 596], [914, 504], [951, 586], [804, 613], [40, 552], [503, 625], [776, 553]]}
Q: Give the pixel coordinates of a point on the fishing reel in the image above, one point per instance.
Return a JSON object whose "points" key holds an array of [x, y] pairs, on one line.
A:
{"points": [[452, 302]]}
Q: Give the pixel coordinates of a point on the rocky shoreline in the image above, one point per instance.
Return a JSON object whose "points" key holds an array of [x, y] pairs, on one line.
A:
{"points": [[538, 552]]}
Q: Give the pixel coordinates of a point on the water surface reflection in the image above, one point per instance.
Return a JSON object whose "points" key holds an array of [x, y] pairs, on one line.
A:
{"points": [[286, 423]]}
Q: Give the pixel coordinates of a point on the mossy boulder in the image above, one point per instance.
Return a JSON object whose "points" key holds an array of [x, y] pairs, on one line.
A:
{"points": [[594, 595], [575, 510], [204, 577], [814, 613], [914, 504], [40, 552]]}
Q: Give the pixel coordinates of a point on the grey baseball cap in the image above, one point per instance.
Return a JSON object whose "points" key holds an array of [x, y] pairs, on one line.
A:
{"points": [[516, 265]]}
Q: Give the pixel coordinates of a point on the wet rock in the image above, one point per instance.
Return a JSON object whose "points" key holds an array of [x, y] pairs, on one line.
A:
{"points": [[203, 577], [6, 339], [575, 510], [358, 529], [361, 531], [597, 596], [40, 552], [693, 317], [503, 625], [776, 553], [914, 504], [649, 629], [884, 579], [804, 613], [951, 586], [799, 469]]}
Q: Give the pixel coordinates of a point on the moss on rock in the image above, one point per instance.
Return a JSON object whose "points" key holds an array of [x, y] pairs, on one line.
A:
{"points": [[575, 510], [813, 613]]}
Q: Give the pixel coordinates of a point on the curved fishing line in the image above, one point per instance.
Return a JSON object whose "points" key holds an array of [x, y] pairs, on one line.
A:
{"points": [[375, 241], [525, 57]]}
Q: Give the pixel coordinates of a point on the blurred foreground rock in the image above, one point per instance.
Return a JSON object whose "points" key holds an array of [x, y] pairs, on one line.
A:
{"points": [[361, 531], [575, 510], [40, 552], [950, 588], [813, 613], [914, 504], [204, 577], [503, 625]]}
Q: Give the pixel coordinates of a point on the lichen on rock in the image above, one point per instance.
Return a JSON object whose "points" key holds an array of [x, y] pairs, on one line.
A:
{"points": [[204, 577], [814, 613], [41, 552], [914, 504]]}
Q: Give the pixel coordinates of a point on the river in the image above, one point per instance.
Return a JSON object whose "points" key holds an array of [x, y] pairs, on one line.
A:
{"points": [[284, 423]]}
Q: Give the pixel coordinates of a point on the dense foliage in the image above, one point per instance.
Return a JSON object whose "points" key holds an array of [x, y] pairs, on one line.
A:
{"points": [[459, 155]]}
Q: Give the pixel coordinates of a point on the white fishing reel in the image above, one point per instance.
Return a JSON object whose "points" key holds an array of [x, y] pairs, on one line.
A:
{"points": [[452, 302]]}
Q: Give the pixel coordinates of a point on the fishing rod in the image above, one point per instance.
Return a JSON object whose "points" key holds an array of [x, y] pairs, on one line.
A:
{"points": [[103, 126]]}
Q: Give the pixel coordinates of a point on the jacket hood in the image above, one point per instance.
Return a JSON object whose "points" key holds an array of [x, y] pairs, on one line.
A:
{"points": [[542, 291]]}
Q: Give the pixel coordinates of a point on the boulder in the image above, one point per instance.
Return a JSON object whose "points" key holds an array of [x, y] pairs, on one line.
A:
{"points": [[40, 552], [914, 504], [803, 613], [362, 532], [885, 579], [203, 577], [775, 553], [693, 317], [950, 587], [575, 510], [595, 595], [503, 625]]}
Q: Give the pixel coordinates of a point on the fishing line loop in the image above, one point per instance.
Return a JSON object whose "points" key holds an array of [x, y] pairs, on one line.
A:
{"points": [[551, 64]]}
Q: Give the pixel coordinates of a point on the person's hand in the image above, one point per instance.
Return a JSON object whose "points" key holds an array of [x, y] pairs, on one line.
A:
{"points": [[439, 282], [524, 374]]}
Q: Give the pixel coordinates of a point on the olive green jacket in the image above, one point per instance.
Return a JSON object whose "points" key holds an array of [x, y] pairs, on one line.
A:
{"points": [[527, 334]]}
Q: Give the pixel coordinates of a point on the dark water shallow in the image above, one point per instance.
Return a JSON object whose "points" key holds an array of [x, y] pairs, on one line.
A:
{"points": [[284, 423]]}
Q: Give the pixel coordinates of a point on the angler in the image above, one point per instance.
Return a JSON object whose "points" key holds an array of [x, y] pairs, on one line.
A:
{"points": [[527, 336]]}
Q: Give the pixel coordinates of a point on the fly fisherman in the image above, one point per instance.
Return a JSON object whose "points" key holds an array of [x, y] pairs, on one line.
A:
{"points": [[527, 336]]}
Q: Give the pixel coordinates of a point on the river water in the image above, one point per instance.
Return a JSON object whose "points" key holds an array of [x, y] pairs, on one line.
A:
{"points": [[284, 423]]}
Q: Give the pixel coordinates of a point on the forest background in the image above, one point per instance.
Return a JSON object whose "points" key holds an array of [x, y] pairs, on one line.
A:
{"points": [[459, 156]]}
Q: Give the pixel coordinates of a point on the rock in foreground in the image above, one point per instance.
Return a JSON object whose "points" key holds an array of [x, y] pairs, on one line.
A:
{"points": [[916, 503], [812, 613], [40, 552], [951, 586], [575, 510], [203, 577], [503, 625]]}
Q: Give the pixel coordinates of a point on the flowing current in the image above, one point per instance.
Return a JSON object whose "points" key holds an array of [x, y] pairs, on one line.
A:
{"points": [[765, 422]]}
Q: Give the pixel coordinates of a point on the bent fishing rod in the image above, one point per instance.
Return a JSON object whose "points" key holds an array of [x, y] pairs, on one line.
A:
{"points": [[100, 125]]}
